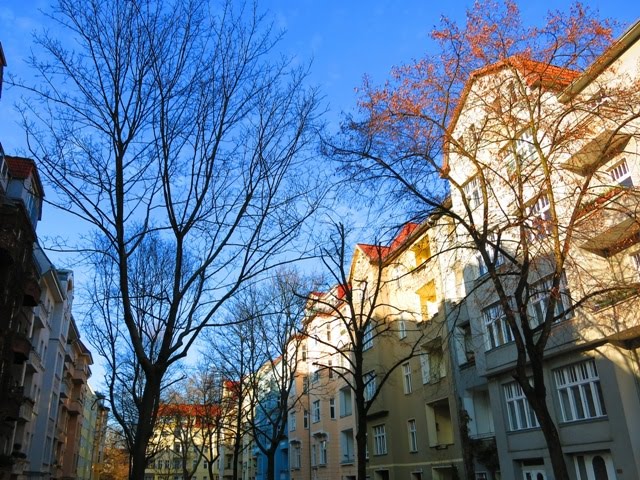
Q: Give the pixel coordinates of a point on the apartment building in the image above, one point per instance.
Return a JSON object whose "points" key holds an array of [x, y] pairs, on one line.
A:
{"points": [[20, 207], [322, 420], [590, 176]]}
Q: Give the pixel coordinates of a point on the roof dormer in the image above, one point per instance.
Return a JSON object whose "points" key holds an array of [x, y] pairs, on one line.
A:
{"points": [[24, 186]]}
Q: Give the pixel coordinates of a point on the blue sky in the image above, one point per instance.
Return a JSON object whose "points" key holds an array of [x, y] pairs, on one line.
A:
{"points": [[345, 39]]}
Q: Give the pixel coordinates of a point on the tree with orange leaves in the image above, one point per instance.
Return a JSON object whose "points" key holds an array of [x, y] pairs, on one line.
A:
{"points": [[519, 136]]}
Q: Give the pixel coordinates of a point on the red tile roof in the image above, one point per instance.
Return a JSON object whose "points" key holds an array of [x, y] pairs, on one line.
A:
{"points": [[534, 73], [22, 168], [376, 252]]}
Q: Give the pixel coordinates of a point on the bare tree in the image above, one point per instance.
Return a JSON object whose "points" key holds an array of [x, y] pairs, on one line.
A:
{"points": [[359, 304], [276, 330], [501, 132], [172, 127]]}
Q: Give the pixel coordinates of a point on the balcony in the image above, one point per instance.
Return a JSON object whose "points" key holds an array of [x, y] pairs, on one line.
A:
{"points": [[26, 411], [609, 223], [74, 407], [78, 375], [31, 292], [21, 346], [11, 402], [597, 151]]}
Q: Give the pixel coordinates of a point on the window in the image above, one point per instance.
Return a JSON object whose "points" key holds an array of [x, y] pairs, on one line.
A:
{"points": [[328, 333], [292, 390], [493, 250], [332, 408], [424, 367], [314, 455], [580, 392], [413, 435], [323, 452], [402, 329], [406, 378], [428, 300], [439, 423], [540, 218], [369, 385], [367, 339], [295, 456], [330, 368], [305, 384], [525, 149], [620, 174], [594, 466], [346, 446], [498, 330], [521, 415], [305, 419], [539, 299], [345, 402], [422, 251], [379, 440], [292, 421], [315, 411], [315, 376], [472, 192], [304, 352], [432, 366]]}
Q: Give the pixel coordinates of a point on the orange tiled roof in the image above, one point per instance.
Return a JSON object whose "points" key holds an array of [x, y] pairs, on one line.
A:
{"points": [[533, 72], [376, 252], [20, 167]]}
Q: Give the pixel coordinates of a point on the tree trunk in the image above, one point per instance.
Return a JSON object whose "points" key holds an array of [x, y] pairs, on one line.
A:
{"points": [[271, 465], [551, 436], [361, 442], [145, 426]]}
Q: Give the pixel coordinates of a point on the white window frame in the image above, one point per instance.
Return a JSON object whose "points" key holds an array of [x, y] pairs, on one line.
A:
{"points": [[332, 408], [323, 452], [406, 378], [472, 192], [412, 431], [369, 385], [538, 301], [347, 447], [292, 421], [402, 329], [346, 407], [425, 368], [635, 259], [620, 174], [296, 456], [588, 471], [579, 392], [520, 414], [540, 217], [315, 411], [379, 440], [497, 329], [496, 258], [367, 337]]}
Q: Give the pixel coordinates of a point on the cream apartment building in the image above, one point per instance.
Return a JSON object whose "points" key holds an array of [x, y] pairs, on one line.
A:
{"points": [[591, 367]]}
